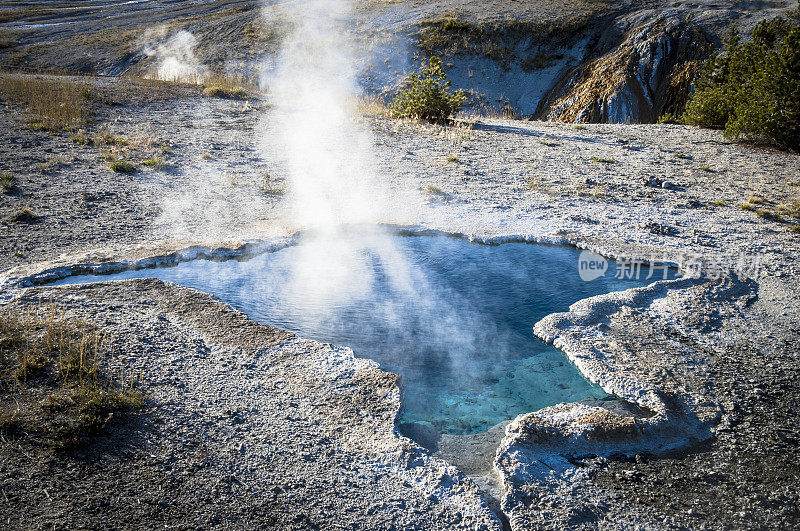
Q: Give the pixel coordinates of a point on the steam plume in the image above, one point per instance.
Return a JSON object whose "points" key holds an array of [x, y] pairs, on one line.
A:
{"points": [[313, 136], [175, 57]]}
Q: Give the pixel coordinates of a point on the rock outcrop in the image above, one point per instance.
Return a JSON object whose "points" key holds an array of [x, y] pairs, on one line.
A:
{"points": [[643, 77]]}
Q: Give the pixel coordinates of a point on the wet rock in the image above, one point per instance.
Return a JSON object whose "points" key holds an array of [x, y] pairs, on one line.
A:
{"points": [[646, 75]]}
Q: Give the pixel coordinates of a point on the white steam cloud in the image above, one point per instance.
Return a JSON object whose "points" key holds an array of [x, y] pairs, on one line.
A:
{"points": [[313, 135], [312, 130], [174, 56]]}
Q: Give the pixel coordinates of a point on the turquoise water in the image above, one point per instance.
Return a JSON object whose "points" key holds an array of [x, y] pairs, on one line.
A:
{"points": [[454, 319]]}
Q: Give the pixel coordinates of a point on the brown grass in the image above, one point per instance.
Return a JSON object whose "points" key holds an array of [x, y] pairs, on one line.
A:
{"points": [[7, 182], [372, 105], [10, 15], [56, 104], [44, 350], [228, 86]]}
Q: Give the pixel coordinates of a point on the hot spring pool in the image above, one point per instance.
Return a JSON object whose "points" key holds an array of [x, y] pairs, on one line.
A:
{"points": [[453, 318]]}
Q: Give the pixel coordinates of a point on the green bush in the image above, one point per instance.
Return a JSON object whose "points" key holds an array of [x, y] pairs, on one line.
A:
{"points": [[752, 89], [669, 118], [427, 96]]}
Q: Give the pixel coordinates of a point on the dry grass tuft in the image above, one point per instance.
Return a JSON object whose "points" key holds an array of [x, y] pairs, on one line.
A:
{"points": [[7, 182], [268, 186], [227, 86], [156, 163], [56, 104], [40, 346], [373, 105], [105, 138], [122, 166], [25, 215], [52, 163]]}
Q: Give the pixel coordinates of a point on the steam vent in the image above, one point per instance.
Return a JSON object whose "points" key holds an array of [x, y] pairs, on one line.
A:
{"points": [[338, 264]]}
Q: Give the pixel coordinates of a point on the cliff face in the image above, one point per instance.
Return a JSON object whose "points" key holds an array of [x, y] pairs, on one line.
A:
{"points": [[643, 77]]}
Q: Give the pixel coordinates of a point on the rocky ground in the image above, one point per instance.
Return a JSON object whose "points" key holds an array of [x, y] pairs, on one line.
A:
{"points": [[586, 60], [247, 425]]}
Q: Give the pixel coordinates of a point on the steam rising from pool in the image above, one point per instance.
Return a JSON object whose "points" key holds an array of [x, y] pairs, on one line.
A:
{"points": [[452, 318], [312, 132], [454, 322], [313, 136], [364, 288]]}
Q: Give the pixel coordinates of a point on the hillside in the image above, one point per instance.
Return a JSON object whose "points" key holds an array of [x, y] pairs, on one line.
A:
{"points": [[583, 61]]}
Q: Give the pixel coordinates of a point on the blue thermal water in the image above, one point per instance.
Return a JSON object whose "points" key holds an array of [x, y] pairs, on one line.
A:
{"points": [[455, 323]]}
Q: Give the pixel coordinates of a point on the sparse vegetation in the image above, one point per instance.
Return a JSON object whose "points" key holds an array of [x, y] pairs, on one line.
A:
{"points": [[206, 155], [669, 118], [537, 183], [51, 164], [580, 127], [43, 349], [8, 39], [603, 160], [268, 187], [21, 13], [499, 40], [453, 159], [226, 86], [758, 204], [7, 182], [156, 163], [792, 210], [374, 105], [105, 138], [548, 143], [752, 89], [720, 203], [54, 103], [427, 96], [707, 168], [432, 189], [80, 138], [767, 214], [122, 166], [25, 215]]}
